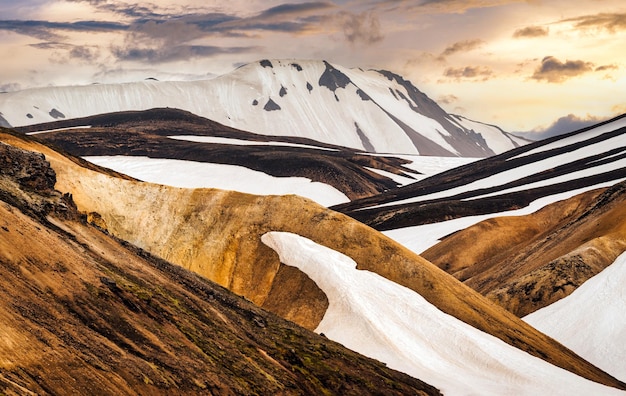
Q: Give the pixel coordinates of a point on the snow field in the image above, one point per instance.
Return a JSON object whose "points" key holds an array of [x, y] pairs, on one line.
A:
{"points": [[391, 323], [190, 174], [598, 335], [592, 133]]}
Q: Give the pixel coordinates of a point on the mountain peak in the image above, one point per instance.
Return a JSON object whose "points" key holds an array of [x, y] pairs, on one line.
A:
{"points": [[370, 110]]}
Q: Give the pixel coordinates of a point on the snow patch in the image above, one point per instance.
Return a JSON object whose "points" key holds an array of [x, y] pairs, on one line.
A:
{"points": [[190, 174], [383, 320], [598, 335], [59, 129], [241, 142]]}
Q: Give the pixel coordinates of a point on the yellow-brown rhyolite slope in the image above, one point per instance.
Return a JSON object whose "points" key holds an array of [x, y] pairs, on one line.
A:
{"points": [[218, 234], [83, 313], [527, 262]]}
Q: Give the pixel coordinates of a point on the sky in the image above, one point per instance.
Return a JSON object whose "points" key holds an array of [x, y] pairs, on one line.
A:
{"points": [[527, 66]]}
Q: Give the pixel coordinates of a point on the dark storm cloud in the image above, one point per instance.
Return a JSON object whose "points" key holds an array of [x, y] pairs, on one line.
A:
{"points": [[49, 30], [565, 124], [469, 72], [554, 71], [531, 31], [170, 54], [295, 9], [609, 21]]}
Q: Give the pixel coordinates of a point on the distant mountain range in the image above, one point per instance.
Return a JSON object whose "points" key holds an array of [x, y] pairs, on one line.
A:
{"points": [[497, 275], [375, 111]]}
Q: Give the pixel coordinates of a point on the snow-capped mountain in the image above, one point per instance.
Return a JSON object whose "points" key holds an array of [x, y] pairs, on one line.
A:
{"points": [[376, 111], [568, 164]]}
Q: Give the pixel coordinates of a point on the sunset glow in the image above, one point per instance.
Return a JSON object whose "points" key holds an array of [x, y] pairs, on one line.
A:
{"points": [[519, 65]]}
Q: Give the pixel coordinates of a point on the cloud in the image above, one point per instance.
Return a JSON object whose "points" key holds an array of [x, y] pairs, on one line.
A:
{"points": [[164, 33], [461, 46], [609, 21], [286, 18], [469, 72], [145, 11], [172, 54], [85, 53], [554, 71], [297, 10], [451, 6], [447, 99], [565, 124], [64, 51], [50, 45], [10, 87], [531, 31], [360, 28], [619, 109], [47, 30], [607, 67]]}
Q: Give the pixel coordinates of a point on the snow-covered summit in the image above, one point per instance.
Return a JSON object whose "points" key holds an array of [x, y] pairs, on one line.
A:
{"points": [[376, 111]]}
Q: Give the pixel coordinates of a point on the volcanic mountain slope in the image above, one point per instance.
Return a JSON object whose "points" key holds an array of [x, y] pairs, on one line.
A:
{"points": [[84, 313], [375, 111], [527, 262], [582, 160], [218, 234], [174, 134]]}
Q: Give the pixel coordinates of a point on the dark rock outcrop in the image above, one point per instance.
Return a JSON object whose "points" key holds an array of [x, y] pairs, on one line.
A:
{"points": [[271, 105]]}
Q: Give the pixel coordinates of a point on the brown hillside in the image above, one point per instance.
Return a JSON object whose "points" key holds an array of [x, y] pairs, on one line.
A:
{"points": [[83, 313], [217, 234], [527, 262]]}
